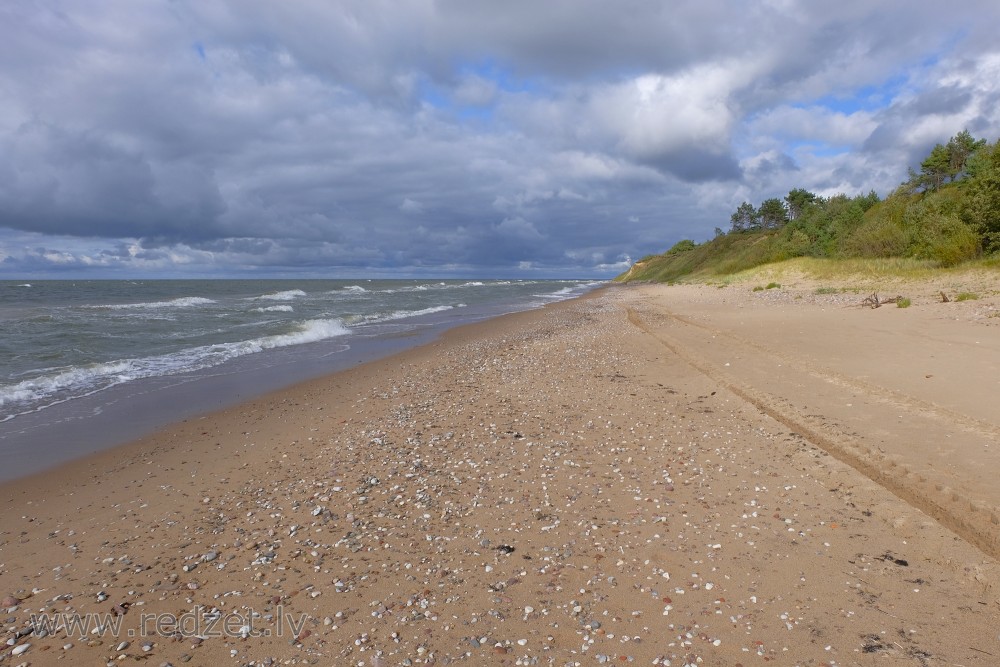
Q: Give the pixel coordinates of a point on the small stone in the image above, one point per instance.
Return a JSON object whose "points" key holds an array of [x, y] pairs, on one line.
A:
{"points": [[122, 646], [18, 650], [210, 556], [9, 601]]}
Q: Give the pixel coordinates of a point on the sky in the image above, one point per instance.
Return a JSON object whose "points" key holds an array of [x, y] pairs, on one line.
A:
{"points": [[472, 138]]}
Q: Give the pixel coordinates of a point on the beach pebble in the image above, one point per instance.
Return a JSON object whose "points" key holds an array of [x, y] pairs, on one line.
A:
{"points": [[18, 650], [210, 556], [9, 601]]}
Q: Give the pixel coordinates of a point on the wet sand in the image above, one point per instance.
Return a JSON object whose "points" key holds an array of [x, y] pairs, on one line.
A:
{"points": [[649, 475]]}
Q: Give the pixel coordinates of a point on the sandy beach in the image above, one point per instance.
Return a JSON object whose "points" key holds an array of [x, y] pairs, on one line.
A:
{"points": [[652, 475]]}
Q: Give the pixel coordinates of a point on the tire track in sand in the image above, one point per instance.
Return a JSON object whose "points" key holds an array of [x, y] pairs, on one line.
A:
{"points": [[877, 392], [976, 522]]}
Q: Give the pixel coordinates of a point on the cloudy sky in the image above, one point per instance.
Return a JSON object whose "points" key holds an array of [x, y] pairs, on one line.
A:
{"points": [[454, 137]]}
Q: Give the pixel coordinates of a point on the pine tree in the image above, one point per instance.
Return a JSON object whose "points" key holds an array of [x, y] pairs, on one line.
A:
{"points": [[745, 218]]}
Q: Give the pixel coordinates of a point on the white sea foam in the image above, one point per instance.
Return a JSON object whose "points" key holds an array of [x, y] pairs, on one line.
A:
{"points": [[287, 295], [274, 309], [354, 288], [567, 292], [403, 314], [80, 381], [558, 294], [182, 302]]}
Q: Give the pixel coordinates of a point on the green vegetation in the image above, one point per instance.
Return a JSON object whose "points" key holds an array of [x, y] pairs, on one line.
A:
{"points": [[773, 286], [903, 302], [758, 288], [827, 290], [966, 296], [946, 214]]}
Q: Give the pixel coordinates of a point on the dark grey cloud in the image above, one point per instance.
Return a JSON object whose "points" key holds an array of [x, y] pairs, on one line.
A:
{"points": [[473, 136]]}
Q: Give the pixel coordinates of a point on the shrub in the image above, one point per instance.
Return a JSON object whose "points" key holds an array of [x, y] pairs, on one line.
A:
{"points": [[967, 296], [758, 288], [945, 238], [879, 236], [903, 303], [773, 286]]}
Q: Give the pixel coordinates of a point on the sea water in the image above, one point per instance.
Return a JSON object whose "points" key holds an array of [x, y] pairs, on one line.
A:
{"points": [[71, 351]]}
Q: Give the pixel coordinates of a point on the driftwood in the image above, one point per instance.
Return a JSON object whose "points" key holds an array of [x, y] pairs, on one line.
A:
{"points": [[944, 298], [874, 301]]}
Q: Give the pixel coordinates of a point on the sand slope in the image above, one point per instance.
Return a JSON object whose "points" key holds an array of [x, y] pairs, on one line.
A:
{"points": [[649, 476]]}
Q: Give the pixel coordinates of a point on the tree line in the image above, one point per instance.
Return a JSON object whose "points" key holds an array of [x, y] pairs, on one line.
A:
{"points": [[949, 210]]}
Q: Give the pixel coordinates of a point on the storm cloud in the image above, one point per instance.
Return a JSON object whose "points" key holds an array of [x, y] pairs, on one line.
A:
{"points": [[454, 137]]}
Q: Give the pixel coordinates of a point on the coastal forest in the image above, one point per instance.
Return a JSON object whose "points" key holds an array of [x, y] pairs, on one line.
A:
{"points": [[945, 214]]}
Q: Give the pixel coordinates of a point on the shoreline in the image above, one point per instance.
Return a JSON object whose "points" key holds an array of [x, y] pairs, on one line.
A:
{"points": [[119, 415], [134, 446], [591, 482]]}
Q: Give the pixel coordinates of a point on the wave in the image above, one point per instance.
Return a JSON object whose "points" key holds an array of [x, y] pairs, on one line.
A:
{"points": [[182, 302], [403, 314], [274, 309], [573, 290], [354, 288], [287, 295], [74, 382], [412, 288], [558, 294]]}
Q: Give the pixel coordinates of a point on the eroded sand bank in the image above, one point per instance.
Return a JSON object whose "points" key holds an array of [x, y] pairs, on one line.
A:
{"points": [[654, 475]]}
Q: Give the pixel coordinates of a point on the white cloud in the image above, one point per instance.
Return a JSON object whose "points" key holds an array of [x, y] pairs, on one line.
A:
{"points": [[411, 206], [655, 114], [519, 228], [476, 91]]}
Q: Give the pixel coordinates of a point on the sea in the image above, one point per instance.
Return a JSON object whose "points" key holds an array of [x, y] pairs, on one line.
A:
{"points": [[89, 364]]}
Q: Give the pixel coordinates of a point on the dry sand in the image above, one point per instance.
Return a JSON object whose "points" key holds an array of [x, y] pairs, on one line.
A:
{"points": [[650, 475]]}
